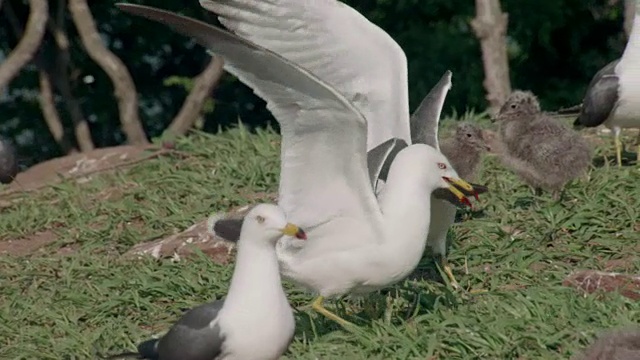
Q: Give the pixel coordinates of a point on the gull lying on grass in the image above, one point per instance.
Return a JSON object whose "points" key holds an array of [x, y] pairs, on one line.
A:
{"points": [[356, 245], [255, 320]]}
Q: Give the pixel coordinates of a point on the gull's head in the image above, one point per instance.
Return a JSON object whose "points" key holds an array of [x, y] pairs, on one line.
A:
{"points": [[449, 186], [518, 104], [270, 221]]}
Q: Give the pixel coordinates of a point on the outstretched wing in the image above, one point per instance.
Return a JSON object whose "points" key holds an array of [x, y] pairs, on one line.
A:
{"points": [[323, 161], [425, 120], [339, 46]]}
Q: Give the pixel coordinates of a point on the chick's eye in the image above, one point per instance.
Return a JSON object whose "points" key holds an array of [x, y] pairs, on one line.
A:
{"points": [[513, 106], [468, 135], [260, 219], [442, 166]]}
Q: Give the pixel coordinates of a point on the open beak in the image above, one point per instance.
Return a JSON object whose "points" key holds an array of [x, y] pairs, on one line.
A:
{"points": [[477, 190], [456, 192], [295, 231]]}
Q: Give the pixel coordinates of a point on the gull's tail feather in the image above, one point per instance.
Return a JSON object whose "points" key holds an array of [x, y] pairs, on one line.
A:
{"points": [[147, 350], [227, 229]]}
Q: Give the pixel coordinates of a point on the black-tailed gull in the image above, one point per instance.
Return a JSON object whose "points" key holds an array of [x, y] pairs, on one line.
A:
{"points": [[255, 320], [612, 98], [282, 49]]}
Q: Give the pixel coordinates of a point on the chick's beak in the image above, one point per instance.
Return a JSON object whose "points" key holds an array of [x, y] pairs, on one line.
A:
{"points": [[295, 231]]}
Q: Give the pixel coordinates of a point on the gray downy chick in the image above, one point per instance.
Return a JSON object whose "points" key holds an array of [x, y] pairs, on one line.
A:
{"points": [[8, 161], [615, 345], [544, 153], [464, 150]]}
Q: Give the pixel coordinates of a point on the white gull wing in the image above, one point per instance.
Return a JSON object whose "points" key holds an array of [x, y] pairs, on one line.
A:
{"points": [[336, 44], [323, 164]]}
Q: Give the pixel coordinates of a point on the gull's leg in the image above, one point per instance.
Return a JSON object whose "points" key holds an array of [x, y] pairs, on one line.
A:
{"points": [[618, 145], [447, 270], [319, 308], [444, 263]]}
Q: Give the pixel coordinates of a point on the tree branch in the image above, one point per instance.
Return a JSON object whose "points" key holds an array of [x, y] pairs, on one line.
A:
{"points": [[50, 113], [629, 14], [193, 104], [23, 53], [60, 74], [125, 90], [490, 27]]}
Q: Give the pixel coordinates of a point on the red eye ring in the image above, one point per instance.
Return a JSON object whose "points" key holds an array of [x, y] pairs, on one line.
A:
{"points": [[442, 166]]}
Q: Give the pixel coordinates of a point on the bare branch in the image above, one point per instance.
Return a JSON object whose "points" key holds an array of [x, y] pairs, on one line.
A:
{"points": [[50, 113], [125, 90], [629, 14], [23, 53], [193, 104], [490, 27], [62, 80]]}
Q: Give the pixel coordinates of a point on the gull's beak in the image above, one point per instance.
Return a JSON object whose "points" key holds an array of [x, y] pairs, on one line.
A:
{"points": [[295, 231], [456, 191], [477, 190]]}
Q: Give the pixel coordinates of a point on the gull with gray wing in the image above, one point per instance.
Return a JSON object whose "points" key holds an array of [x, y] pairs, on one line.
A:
{"points": [[254, 321], [612, 98], [282, 49]]}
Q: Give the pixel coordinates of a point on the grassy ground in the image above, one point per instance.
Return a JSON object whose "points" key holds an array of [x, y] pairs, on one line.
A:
{"points": [[518, 247]]}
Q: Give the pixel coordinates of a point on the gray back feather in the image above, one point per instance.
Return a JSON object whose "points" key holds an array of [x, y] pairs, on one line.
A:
{"points": [[601, 97], [192, 337]]}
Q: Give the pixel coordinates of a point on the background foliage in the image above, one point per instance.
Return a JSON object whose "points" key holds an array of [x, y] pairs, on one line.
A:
{"points": [[555, 46]]}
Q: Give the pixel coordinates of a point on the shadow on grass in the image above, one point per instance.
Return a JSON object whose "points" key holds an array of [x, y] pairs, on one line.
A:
{"points": [[628, 159]]}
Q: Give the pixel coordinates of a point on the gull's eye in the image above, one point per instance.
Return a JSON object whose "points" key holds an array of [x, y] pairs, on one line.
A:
{"points": [[260, 219], [442, 166]]}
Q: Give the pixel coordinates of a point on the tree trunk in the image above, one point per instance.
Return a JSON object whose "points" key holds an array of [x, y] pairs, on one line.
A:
{"points": [[50, 113], [26, 48], [125, 90], [192, 107], [629, 14], [60, 73], [490, 27]]}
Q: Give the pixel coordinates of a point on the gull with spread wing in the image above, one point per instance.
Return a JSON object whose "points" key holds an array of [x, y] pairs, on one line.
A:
{"points": [[282, 49]]}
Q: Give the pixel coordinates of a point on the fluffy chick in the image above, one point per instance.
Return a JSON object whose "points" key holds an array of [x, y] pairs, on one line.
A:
{"points": [[544, 153], [615, 345], [464, 150]]}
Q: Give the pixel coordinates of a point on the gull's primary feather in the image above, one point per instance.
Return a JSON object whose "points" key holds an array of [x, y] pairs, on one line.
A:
{"points": [[338, 45]]}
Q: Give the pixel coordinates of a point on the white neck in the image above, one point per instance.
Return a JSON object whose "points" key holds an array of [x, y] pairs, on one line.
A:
{"points": [[256, 276], [406, 207]]}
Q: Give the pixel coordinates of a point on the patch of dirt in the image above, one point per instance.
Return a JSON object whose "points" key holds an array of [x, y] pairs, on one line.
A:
{"points": [[27, 245], [198, 236], [80, 166], [590, 281], [182, 245]]}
